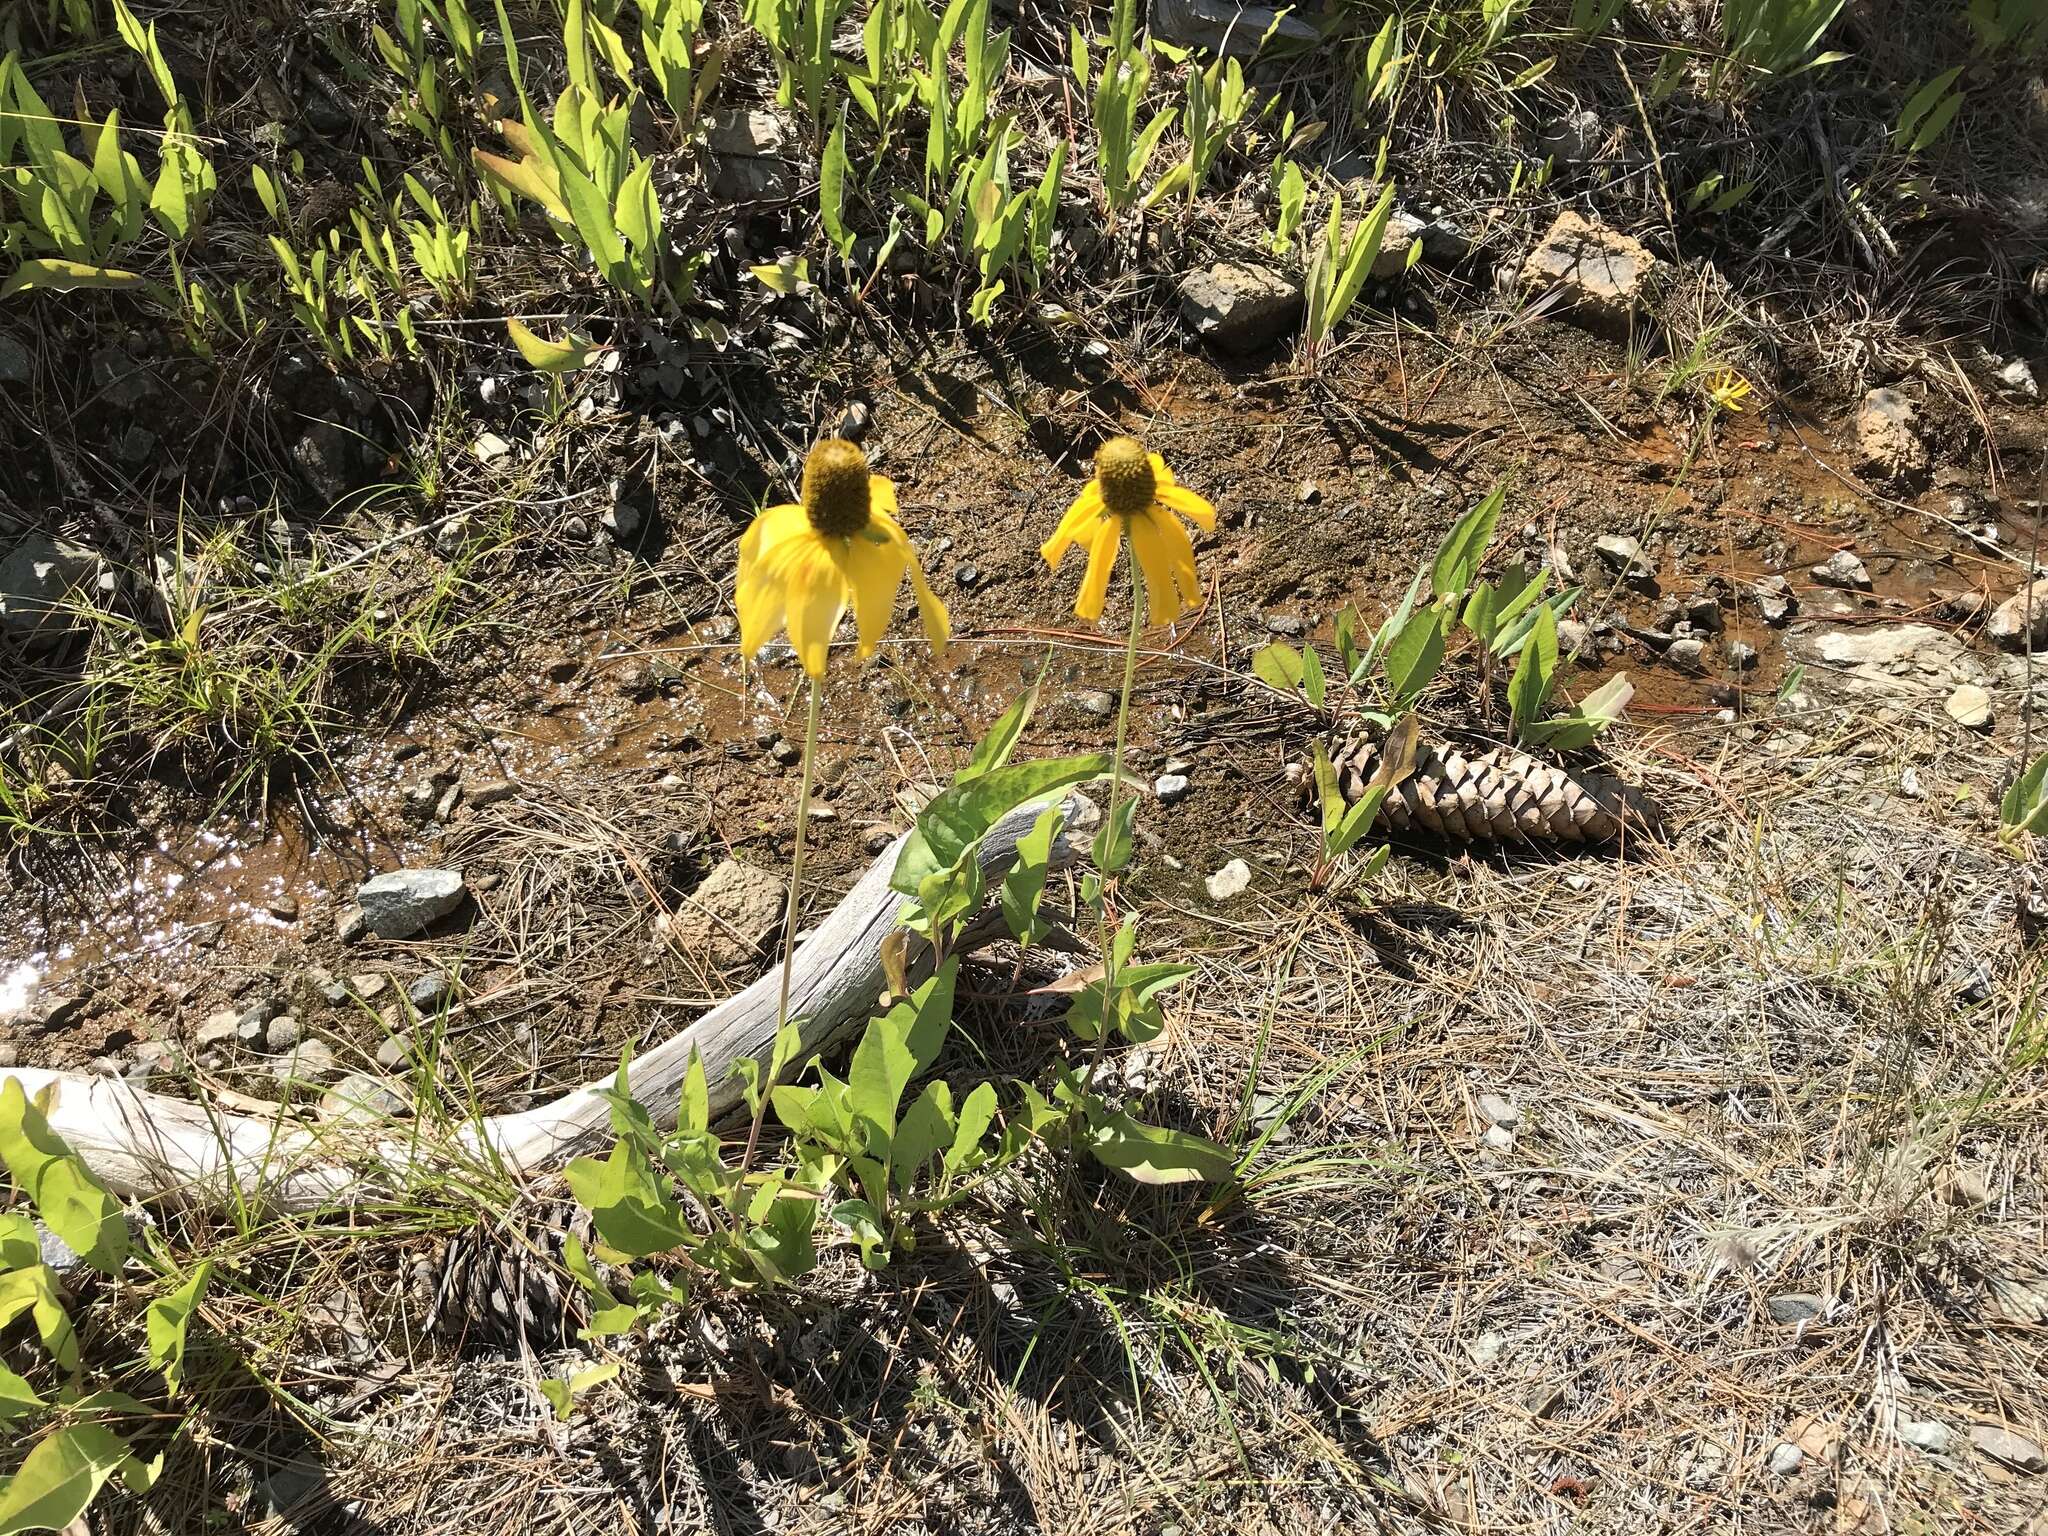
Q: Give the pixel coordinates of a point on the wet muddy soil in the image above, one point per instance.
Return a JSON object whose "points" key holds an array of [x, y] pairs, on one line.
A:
{"points": [[590, 766]]}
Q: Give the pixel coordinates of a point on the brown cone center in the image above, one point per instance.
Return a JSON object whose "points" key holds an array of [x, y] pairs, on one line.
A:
{"points": [[836, 488]]}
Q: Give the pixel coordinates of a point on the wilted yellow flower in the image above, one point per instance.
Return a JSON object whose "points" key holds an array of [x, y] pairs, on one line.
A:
{"points": [[804, 565], [1133, 493], [1728, 389]]}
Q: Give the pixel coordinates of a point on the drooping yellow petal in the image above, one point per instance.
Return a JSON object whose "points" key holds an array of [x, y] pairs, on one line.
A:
{"points": [[815, 592], [1101, 559], [1161, 475], [1190, 506], [872, 563], [938, 624], [1149, 549], [1074, 526], [768, 529], [1180, 550], [881, 496], [761, 593]]}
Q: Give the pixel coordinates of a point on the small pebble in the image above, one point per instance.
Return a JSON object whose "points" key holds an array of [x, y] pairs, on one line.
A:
{"points": [[1171, 788], [1787, 1459], [283, 1033]]}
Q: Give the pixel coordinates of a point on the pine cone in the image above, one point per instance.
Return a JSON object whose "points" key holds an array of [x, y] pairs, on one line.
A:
{"points": [[502, 1285], [1501, 795]]}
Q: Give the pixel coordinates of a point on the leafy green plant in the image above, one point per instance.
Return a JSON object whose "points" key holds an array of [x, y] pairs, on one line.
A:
{"points": [[1928, 112], [669, 33], [1290, 193], [799, 38], [78, 1433], [1776, 37], [2024, 806], [1216, 104], [186, 181], [1123, 150], [1338, 266], [1345, 825]]}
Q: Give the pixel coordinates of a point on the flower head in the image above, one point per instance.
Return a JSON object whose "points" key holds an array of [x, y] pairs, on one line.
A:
{"points": [[802, 566], [1728, 389], [1133, 493]]}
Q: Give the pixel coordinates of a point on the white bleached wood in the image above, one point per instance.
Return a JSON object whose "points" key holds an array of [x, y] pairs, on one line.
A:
{"points": [[152, 1147]]}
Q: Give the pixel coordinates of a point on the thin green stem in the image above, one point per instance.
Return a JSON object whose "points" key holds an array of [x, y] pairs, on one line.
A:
{"points": [[796, 879], [1103, 937]]}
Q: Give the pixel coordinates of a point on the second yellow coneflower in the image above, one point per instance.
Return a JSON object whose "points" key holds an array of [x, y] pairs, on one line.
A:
{"points": [[1133, 495]]}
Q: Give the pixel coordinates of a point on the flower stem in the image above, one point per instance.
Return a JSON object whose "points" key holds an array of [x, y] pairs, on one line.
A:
{"points": [[1103, 936], [796, 876]]}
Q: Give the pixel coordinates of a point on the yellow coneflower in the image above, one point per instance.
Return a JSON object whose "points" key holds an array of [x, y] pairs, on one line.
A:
{"points": [[1133, 493], [802, 566], [1728, 389]]}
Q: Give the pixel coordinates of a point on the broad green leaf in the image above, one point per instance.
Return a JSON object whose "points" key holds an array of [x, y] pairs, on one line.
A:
{"points": [[994, 749], [927, 1127], [632, 1209], [1024, 885], [553, 356], [1529, 688], [693, 1108], [608, 1314], [960, 817], [1312, 684], [18, 1246], [977, 1111], [1279, 666], [2024, 806], [562, 1391], [865, 1223], [832, 190], [1414, 653], [896, 1047], [34, 1291], [1356, 821], [790, 274], [59, 276], [168, 1319], [779, 1241], [1329, 797], [59, 1478], [63, 1191], [1595, 713], [1152, 1154], [17, 1397], [1464, 547], [1112, 847]]}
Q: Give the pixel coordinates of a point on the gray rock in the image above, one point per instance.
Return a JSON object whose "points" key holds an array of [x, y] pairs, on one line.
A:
{"points": [[2021, 621], [731, 916], [361, 1098], [757, 156], [36, 579], [1575, 136], [1391, 261], [2016, 376], [394, 1052], [490, 448], [1573, 638], [1786, 1459], [217, 1030], [1171, 788], [1287, 625], [2002, 1444], [401, 902], [1774, 600], [1599, 271], [368, 985], [1686, 654], [1888, 434], [1881, 656], [1240, 306], [1099, 702], [455, 535], [1624, 556], [1229, 882], [625, 521], [1703, 613], [351, 923], [479, 793], [1929, 1435], [1499, 1110], [333, 461], [10, 1054], [1970, 707], [430, 991], [1498, 1138], [283, 1033], [1842, 570], [119, 381], [1742, 656], [310, 1061], [1225, 27], [16, 365], [1794, 1307]]}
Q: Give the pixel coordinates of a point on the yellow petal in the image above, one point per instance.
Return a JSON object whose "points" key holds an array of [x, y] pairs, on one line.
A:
{"points": [[938, 624], [815, 593], [768, 529], [1189, 506], [1074, 526], [1161, 475], [1149, 549], [881, 495], [1101, 559], [760, 594], [872, 564], [1180, 550]]}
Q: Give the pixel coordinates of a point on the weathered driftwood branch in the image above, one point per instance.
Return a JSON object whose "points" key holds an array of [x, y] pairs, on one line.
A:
{"points": [[150, 1146]]}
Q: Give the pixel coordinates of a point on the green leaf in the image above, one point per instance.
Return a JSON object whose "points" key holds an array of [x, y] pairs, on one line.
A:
{"points": [[168, 1319], [960, 817], [1464, 547], [17, 1397], [977, 1112], [926, 1128], [633, 1210], [2024, 806], [1279, 666], [1356, 821], [1024, 885], [1111, 848], [895, 1048], [1529, 688], [1414, 653], [561, 1391], [779, 1241], [1152, 1154], [58, 1479], [59, 276], [1595, 713], [608, 1315], [65, 1194], [552, 356], [832, 190], [1312, 683], [786, 275], [18, 1246], [1329, 796], [34, 1290], [865, 1223], [994, 749]]}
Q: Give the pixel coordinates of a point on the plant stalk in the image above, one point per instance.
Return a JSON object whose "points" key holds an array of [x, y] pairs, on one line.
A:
{"points": [[1103, 936], [796, 877]]}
